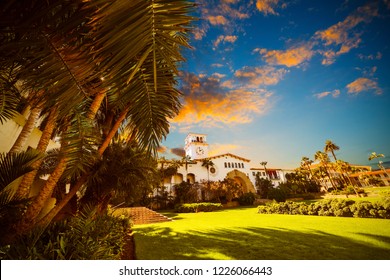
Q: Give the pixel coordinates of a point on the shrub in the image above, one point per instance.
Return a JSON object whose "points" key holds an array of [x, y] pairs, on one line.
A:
{"points": [[85, 237], [384, 193], [331, 207], [198, 207], [277, 194], [247, 199]]}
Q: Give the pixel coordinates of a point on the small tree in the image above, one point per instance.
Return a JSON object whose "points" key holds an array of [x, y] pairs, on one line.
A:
{"points": [[263, 186], [185, 193]]}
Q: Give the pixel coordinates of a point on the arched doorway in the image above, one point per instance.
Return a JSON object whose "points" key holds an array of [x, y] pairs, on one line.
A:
{"points": [[242, 180], [191, 178]]}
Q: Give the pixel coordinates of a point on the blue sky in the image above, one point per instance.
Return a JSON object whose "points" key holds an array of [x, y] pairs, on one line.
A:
{"points": [[272, 80]]}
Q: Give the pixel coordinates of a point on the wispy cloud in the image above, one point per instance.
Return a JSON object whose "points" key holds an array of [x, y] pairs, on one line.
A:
{"points": [[209, 104], [225, 14], [377, 56], [269, 6], [363, 84], [260, 76], [341, 37], [332, 42], [218, 148], [217, 20], [334, 93], [218, 65], [223, 38]]}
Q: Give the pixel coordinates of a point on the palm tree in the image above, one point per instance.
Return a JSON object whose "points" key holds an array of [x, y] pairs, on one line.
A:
{"points": [[344, 168], [123, 170], [207, 163], [374, 155], [13, 166], [331, 147], [306, 162], [264, 163], [324, 161], [75, 55]]}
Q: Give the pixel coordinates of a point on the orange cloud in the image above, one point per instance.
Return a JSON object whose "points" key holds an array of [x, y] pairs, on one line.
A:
{"points": [[217, 20], [222, 38], [342, 35], [199, 33], [211, 105], [218, 149], [292, 57], [218, 75], [335, 93], [363, 84], [162, 149], [257, 76], [269, 6]]}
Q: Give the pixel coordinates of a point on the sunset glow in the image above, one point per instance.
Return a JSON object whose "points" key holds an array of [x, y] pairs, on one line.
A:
{"points": [[272, 80]]}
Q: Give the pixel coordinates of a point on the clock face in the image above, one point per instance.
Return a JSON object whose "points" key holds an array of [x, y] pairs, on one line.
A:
{"points": [[199, 151]]}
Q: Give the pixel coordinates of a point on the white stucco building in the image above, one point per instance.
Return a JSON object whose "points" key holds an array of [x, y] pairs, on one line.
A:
{"points": [[226, 165]]}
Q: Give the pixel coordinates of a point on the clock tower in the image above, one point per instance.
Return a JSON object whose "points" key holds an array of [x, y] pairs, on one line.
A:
{"points": [[196, 146]]}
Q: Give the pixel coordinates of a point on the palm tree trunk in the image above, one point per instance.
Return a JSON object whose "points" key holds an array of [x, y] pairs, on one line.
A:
{"points": [[29, 219], [81, 181], [26, 130], [24, 187], [113, 131], [97, 101], [53, 212], [330, 177]]}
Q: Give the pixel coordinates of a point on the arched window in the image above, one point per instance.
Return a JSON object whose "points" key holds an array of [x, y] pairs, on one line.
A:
{"points": [[229, 164], [225, 165]]}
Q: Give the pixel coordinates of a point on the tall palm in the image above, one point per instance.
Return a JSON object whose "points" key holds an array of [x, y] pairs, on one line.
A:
{"points": [[331, 147], [264, 163], [306, 163], [207, 163], [374, 155], [323, 158]]}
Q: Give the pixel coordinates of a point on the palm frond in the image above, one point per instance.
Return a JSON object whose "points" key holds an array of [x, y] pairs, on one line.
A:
{"points": [[79, 145], [15, 165]]}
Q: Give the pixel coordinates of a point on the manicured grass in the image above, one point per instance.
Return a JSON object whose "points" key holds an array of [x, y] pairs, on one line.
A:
{"points": [[241, 233]]}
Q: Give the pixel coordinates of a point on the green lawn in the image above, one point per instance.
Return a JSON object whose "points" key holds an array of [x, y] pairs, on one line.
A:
{"points": [[243, 234]]}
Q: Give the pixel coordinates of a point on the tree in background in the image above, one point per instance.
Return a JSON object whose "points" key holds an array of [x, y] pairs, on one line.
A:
{"points": [[264, 163], [330, 147]]}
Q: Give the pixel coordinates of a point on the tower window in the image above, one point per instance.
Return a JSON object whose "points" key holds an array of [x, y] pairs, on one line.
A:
{"points": [[235, 164], [229, 164], [225, 165]]}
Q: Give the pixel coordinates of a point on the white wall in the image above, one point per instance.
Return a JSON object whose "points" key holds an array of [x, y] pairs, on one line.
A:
{"points": [[9, 132]]}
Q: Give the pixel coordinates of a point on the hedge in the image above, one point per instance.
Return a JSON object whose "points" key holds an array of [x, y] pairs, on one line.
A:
{"points": [[198, 207], [331, 207]]}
